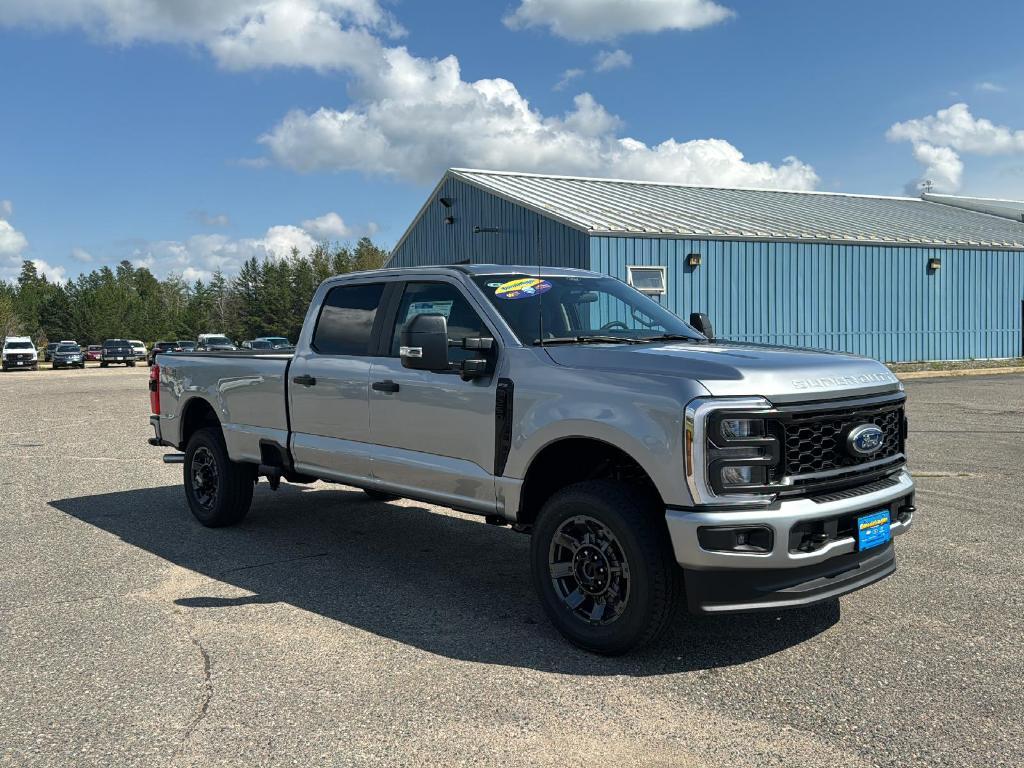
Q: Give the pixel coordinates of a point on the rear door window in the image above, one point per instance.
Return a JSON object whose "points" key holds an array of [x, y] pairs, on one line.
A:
{"points": [[345, 326]]}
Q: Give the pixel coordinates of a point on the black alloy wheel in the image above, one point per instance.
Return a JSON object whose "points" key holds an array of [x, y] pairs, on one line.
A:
{"points": [[589, 571]]}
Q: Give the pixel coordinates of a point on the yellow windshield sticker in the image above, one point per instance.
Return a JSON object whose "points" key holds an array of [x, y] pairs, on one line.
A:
{"points": [[522, 288]]}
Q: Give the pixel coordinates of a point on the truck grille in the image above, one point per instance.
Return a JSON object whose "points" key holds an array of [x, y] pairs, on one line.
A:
{"points": [[18, 355], [814, 441]]}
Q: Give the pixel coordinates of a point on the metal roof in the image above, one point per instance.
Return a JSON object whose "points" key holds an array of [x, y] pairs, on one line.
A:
{"points": [[641, 208]]}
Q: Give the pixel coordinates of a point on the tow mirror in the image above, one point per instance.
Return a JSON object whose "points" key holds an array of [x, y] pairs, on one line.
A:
{"points": [[702, 323], [424, 343]]}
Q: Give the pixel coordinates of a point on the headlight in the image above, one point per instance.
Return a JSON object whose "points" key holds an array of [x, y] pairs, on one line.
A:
{"points": [[731, 450]]}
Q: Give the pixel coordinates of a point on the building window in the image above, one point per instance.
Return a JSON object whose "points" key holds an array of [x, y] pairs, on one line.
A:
{"points": [[649, 280]]}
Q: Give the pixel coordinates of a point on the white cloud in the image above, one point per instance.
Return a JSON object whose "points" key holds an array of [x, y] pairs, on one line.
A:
{"points": [[199, 256], [939, 139], [942, 166], [567, 77], [55, 274], [12, 244], [330, 226], [414, 117], [605, 61], [990, 87], [240, 34], [82, 255], [588, 20], [956, 127]]}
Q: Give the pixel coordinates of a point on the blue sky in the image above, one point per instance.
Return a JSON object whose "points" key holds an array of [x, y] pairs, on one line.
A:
{"points": [[188, 135]]}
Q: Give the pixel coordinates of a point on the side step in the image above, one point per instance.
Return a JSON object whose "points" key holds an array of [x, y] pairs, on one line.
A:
{"points": [[174, 458]]}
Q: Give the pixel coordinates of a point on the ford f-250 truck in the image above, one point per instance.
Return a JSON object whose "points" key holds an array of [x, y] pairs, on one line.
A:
{"points": [[651, 464]]}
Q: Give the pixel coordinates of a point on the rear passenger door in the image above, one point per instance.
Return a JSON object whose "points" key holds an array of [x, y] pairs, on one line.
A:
{"points": [[329, 381], [433, 433]]}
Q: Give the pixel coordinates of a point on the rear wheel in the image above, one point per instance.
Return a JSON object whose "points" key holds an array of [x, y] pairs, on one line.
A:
{"points": [[102, 364], [380, 495], [219, 490], [603, 567]]}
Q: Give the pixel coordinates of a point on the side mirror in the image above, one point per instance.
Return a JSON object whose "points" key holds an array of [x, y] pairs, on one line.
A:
{"points": [[702, 323], [424, 343]]}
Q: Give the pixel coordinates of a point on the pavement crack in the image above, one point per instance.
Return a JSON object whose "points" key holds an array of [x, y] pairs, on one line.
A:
{"points": [[273, 562], [207, 695]]}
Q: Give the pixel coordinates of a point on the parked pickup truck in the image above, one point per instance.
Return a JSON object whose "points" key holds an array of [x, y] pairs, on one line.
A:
{"points": [[652, 465]]}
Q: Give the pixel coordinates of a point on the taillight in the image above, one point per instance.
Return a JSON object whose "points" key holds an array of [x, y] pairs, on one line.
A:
{"points": [[154, 389]]}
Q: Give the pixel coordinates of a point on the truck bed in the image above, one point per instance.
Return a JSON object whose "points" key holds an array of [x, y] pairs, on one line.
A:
{"points": [[247, 390]]}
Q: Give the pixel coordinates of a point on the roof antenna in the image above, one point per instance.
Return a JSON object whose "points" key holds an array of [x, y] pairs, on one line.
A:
{"points": [[925, 186]]}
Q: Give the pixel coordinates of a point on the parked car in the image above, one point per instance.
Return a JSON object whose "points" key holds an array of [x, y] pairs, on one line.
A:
{"points": [[652, 464], [209, 342], [68, 356], [187, 346], [256, 344], [48, 351], [94, 352], [139, 348], [162, 346], [117, 351], [276, 342], [19, 352]]}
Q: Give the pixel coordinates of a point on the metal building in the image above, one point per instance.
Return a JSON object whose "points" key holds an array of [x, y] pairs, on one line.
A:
{"points": [[896, 278]]}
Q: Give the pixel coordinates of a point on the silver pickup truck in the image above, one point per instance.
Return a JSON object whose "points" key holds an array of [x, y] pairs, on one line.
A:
{"points": [[651, 464]]}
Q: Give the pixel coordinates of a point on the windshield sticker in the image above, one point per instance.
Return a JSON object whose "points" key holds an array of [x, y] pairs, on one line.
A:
{"points": [[523, 288], [429, 308]]}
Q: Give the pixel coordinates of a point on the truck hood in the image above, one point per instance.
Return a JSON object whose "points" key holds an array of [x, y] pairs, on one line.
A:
{"points": [[732, 369]]}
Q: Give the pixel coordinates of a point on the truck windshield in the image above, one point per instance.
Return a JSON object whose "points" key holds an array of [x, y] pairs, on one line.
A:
{"points": [[222, 341], [543, 309], [18, 345]]}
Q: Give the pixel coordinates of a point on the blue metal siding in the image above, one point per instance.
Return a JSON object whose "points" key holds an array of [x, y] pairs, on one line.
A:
{"points": [[879, 301], [524, 237]]}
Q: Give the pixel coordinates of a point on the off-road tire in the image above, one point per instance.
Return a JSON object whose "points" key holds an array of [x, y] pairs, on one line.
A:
{"points": [[233, 483], [655, 580]]}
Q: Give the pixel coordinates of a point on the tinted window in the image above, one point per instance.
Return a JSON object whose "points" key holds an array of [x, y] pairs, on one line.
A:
{"points": [[68, 348], [554, 306], [346, 319], [441, 299]]}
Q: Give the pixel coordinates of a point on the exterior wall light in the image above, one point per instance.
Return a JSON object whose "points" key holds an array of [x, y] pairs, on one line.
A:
{"points": [[449, 219], [934, 264], [693, 260]]}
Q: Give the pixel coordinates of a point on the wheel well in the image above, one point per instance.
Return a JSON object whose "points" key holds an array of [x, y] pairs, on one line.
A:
{"points": [[197, 414], [574, 460]]}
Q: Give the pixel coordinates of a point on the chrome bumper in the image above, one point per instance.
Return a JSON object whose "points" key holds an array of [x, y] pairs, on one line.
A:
{"points": [[683, 525]]}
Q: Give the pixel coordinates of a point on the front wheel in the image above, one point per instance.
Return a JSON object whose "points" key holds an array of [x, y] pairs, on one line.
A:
{"points": [[603, 566], [103, 365], [219, 490]]}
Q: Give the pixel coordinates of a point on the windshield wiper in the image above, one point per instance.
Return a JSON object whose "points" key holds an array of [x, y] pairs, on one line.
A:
{"points": [[585, 340], [669, 337]]}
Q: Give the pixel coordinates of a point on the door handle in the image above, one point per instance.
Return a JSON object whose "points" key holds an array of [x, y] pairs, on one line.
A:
{"points": [[305, 380], [385, 386]]}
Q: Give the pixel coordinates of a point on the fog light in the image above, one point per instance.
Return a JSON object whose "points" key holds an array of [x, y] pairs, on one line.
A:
{"points": [[743, 475], [736, 539]]}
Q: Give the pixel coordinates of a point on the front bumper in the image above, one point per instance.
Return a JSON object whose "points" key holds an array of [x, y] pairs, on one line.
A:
{"points": [[724, 581]]}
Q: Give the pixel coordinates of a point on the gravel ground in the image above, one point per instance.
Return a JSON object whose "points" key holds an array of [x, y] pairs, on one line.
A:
{"points": [[331, 630]]}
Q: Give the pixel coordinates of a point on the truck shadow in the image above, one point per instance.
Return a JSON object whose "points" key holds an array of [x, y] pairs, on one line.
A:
{"points": [[443, 583]]}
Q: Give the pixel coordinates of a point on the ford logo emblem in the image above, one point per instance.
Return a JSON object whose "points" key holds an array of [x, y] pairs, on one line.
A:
{"points": [[864, 440]]}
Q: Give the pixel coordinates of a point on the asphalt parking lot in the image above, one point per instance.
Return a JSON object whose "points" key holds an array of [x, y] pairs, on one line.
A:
{"points": [[331, 630]]}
